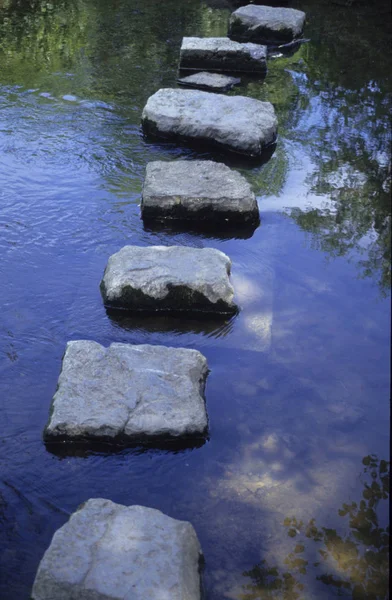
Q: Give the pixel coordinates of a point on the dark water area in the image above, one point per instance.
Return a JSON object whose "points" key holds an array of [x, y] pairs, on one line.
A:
{"points": [[289, 497]]}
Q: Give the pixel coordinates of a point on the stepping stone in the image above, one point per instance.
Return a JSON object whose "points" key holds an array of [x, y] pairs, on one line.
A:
{"points": [[215, 82], [169, 278], [128, 394], [197, 190], [235, 123], [266, 24], [222, 54], [108, 551]]}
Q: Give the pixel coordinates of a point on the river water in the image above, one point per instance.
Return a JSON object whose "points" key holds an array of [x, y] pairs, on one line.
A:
{"points": [[289, 496]]}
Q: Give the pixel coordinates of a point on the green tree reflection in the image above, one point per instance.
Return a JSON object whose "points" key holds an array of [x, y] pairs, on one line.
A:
{"points": [[345, 74], [353, 564]]}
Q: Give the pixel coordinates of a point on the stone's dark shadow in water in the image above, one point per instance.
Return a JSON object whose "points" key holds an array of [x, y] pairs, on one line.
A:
{"points": [[156, 322], [84, 449], [213, 229], [196, 304], [233, 4], [209, 151], [355, 564], [286, 50]]}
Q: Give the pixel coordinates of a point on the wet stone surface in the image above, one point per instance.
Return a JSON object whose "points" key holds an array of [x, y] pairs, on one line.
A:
{"points": [[222, 54], [128, 394], [236, 123], [215, 82], [108, 551], [266, 24], [169, 278], [197, 190]]}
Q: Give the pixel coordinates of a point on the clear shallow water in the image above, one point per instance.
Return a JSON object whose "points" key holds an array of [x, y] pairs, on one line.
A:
{"points": [[299, 385]]}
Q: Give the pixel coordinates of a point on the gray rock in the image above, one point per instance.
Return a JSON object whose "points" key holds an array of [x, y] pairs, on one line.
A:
{"points": [[266, 24], [215, 82], [236, 123], [128, 393], [108, 551], [197, 189], [222, 54], [170, 278]]}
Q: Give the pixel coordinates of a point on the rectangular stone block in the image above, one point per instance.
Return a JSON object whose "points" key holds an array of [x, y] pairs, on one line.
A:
{"points": [[169, 278], [266, 24], [197, 190], [213, 82], [128, 394], [233, 123], [108, 551], [222, 54]]}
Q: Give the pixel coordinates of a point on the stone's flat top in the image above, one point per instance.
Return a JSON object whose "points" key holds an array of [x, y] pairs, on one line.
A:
{"points": [[275, 18], [155, 269], [134, 392], [216, 45], [108, 551], [238, 123], [196, 184], [213, 81]]}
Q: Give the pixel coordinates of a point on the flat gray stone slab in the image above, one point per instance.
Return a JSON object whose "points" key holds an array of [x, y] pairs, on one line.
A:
{"points": [[108, 551], [215, 82], [170, 278], [266, 24], [222, 54], [234, 123], [197, 190], [128, 393]]}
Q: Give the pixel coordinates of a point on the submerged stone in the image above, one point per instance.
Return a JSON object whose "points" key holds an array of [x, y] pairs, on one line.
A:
{"points": [[222, 54], [197, 190], [108, 551], [169, 278], [236, 123], [266, 24], [216, 82], [128, 394]]}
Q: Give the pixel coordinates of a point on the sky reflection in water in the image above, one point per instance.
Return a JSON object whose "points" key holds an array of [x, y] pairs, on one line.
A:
{"points": [[297, 395]]}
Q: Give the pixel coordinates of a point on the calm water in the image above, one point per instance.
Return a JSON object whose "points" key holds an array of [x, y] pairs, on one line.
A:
{"points": [[289, 497]]}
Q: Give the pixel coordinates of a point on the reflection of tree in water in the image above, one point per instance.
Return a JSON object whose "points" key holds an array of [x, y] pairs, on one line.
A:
{"points": [[354, 564], [347, 75]]}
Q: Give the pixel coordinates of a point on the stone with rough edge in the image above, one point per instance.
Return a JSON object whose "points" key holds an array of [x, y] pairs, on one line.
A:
{"points": [[128, 394], [108, 551], [222, 54], [234, 123], [266, 24], [169, 278], [197, 189], [215, 82]]}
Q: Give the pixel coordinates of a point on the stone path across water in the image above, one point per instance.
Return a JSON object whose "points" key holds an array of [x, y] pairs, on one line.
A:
{"points": [[128, 392]]}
